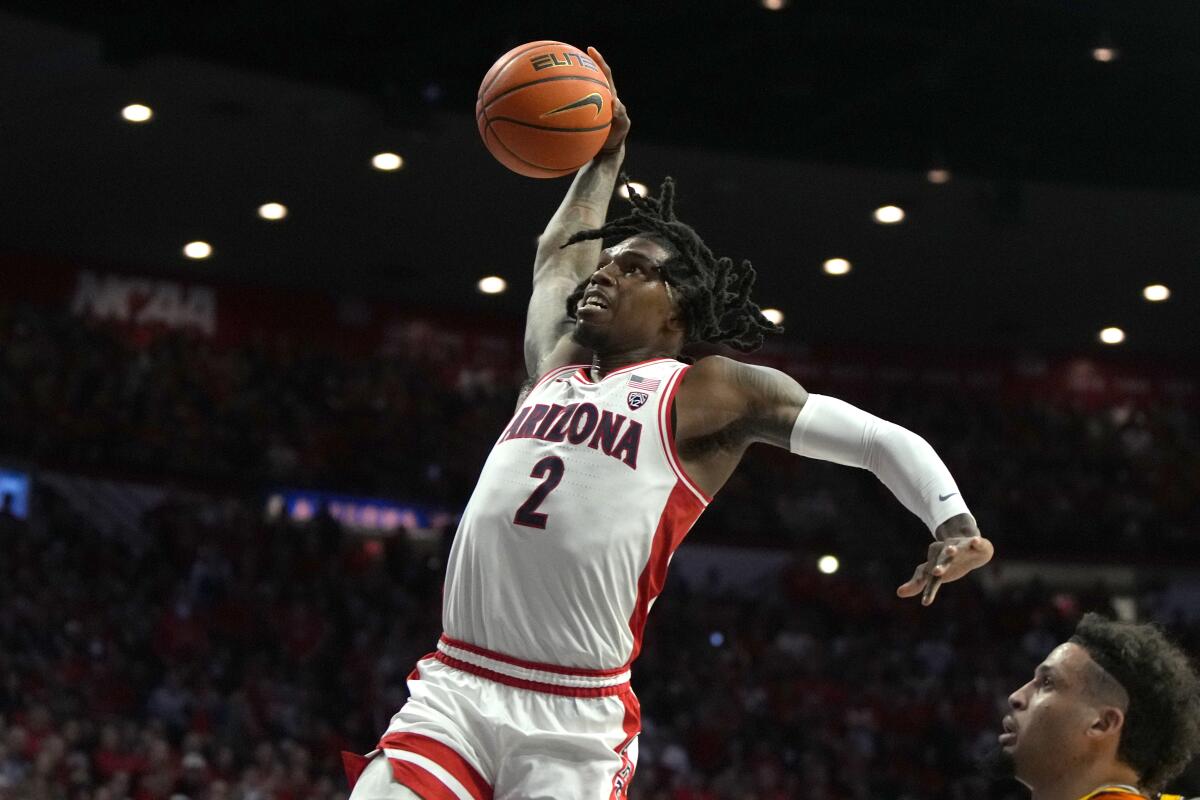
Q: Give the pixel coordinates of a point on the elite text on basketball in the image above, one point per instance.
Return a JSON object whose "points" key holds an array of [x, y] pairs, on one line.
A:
{"points": [[549, 60]]}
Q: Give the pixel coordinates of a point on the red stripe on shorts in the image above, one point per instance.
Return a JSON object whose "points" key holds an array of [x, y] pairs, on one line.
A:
{"points": [[415, 675], [632, 725], [354, 764], [426, 784], [421, 781]]}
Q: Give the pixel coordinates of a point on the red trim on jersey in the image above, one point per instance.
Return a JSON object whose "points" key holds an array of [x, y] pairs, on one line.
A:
{"points": [[681, 511], [632, 725], [582, 374], [424, 782], [666, 431], [533, 686], [517, 662]]}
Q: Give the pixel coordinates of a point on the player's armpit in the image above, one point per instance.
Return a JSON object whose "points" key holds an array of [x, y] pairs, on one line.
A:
{"points": [[548, 328], [564, 353]]}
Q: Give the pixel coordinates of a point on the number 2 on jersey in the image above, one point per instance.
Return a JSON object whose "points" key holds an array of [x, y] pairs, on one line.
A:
{"points": [[551, 469]]}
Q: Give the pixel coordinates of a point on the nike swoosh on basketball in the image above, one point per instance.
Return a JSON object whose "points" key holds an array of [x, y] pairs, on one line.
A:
{"points": [[593, 99], [945, 497]]}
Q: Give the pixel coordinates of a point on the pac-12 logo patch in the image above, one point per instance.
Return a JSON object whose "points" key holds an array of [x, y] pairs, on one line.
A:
{"points": [[637, 399]]}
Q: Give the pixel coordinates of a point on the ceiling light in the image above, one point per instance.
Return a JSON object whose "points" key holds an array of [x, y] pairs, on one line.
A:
{"points": [[774, 5], [938, 175], [1156, 293], [492, 284], [1105, 54], [828, 564], [889, 215], [197, 250], [1112, 335], [387, 162], [773, 315], [640, 188], [136, 112], [836, 266], [272, 211]]}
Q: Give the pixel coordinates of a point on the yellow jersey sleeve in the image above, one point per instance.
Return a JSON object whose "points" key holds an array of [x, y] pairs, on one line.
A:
{"points": [[1115, 793], [1126, 793]]}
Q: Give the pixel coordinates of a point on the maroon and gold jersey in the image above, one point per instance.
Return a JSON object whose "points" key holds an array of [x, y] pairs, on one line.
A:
{"points": [[1120, 792]]}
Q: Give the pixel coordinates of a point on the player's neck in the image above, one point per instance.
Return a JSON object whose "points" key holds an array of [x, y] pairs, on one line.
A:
{"points": [[1077, 786], [604, 363]]}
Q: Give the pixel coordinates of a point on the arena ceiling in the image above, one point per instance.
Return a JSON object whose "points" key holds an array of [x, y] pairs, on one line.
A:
{"points": [[1074, 181]]}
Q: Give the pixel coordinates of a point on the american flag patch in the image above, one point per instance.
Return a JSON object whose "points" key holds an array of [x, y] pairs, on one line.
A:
{"points": [[645, 384]]}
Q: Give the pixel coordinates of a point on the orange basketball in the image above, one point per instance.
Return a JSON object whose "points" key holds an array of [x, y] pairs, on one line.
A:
{"points": [[544, 109]]}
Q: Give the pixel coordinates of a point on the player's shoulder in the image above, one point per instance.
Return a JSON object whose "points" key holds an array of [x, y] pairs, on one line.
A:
{"points": [[716, 380], [730, 383], [714, 368], [720, 371]]}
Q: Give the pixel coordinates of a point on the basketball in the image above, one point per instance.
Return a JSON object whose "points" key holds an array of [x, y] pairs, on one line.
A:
{"points": [[544, 109]]}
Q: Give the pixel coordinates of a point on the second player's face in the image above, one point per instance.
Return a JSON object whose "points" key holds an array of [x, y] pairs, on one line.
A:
{"points": [[1045, 732], [626, 305]]}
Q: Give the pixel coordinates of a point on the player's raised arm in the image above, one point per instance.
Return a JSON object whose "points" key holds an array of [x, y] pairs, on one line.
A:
{"points": [[765, 405], [557, 270]]}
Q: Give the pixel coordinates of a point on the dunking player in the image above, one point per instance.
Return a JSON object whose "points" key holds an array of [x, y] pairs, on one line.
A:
{"points": [[1112, 714], [615, 449]]}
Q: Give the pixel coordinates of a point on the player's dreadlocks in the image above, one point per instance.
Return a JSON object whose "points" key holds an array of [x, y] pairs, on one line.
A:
{"points": [[713, 293]]}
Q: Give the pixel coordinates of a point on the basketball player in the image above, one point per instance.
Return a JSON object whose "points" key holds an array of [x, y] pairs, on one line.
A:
{"points": [[615, 449], [1112, 713]]}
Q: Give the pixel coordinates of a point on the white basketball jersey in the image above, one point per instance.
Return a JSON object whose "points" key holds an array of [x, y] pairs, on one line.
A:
{"points": [[565, 542]]}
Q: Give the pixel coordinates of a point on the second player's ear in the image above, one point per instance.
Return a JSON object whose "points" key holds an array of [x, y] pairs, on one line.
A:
{"points": [[1109, 722]]}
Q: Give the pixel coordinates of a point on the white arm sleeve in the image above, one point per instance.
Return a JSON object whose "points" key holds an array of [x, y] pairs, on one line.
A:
{"points": [[832, 430]]}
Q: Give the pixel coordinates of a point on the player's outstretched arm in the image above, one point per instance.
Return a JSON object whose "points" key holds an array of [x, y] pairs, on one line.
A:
{"points": [[557, 270], [765, 405]]}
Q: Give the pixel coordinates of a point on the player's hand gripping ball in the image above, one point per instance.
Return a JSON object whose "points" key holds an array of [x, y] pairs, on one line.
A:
{"points": [[544, 109]]}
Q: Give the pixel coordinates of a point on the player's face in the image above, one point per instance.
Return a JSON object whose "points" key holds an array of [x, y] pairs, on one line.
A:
{"points": [[626, 304], [1045, 733]]}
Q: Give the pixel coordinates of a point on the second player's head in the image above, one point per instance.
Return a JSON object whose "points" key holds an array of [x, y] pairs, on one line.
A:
{"points": [[660, 286], [1116, 703]]}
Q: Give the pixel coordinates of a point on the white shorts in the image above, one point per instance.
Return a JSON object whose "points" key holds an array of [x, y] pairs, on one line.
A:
{"points": [[480, 725]]}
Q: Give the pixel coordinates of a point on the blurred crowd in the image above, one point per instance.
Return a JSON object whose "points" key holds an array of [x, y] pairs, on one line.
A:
{"points": [[415, 421], [218, 655], [81, 395]]}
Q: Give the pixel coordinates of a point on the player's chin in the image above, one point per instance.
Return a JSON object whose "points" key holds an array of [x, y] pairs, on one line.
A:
{"points": [[588, 334]]}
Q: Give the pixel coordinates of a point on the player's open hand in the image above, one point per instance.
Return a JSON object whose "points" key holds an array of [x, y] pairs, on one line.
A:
{"points": [[948, 559], [620, 117]]}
